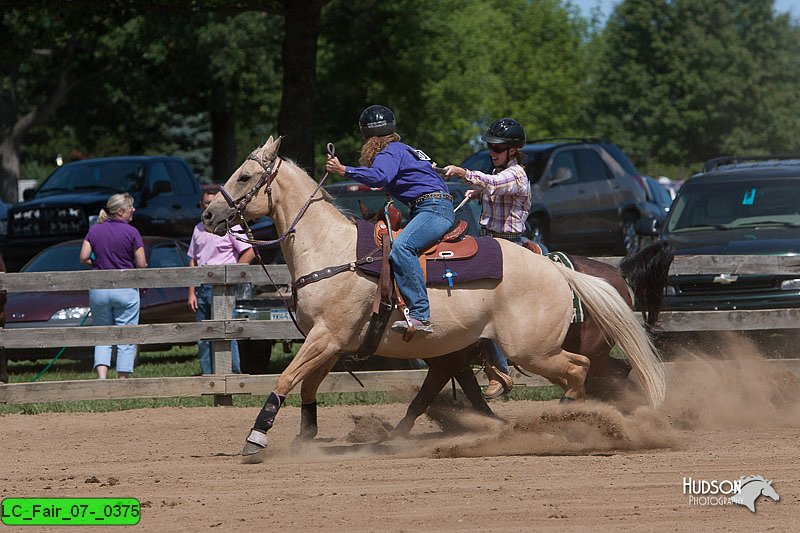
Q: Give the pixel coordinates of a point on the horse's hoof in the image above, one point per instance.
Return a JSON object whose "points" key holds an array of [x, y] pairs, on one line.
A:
{"points": [[567, 399], [256, 442]]}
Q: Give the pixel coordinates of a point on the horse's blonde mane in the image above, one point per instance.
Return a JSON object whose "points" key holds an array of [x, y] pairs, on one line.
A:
{"points": [[325, 195]]}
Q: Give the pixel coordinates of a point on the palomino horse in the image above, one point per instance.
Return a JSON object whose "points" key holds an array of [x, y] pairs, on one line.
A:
{"points": [[646, 274], [527, 313]]}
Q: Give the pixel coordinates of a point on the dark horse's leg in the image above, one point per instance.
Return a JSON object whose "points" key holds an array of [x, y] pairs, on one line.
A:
{"points": [[441, 369]]}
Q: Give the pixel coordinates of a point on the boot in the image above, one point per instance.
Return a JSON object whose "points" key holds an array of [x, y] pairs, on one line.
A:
{"points": [[499, 382]]}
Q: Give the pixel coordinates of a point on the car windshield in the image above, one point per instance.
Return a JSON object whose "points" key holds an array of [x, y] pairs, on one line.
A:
{"points": [[734, 204], [112, 177], [57, 258]]}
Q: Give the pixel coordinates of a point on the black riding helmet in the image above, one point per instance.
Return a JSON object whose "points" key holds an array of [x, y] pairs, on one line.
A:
{"points": [[505, 131], [376, 121]]}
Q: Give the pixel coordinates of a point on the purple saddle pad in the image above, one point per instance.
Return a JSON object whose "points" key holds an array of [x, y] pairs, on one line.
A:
{"points": [[487, 263]]}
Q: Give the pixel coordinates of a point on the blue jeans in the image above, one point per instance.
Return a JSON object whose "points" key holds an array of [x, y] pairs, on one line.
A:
{"points": [[204, 307], [118, 307], [429, 221]]}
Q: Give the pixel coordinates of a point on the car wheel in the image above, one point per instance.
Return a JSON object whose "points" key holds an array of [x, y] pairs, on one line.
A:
{"points": [[254, 356], [536, 230], [629, 239]]}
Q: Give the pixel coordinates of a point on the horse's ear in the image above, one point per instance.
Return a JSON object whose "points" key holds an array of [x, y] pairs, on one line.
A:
{"points": [[363, 209], [270, 147]]}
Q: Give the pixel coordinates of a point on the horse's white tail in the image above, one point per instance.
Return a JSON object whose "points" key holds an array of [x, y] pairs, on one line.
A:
{"points": [[619, 323]]}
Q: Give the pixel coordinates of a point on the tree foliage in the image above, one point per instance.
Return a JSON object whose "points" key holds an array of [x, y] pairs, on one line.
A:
{"points": [[672, 81], [686, 80]]}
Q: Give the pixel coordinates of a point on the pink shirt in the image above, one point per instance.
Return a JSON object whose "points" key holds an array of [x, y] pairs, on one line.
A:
{"points": [[210, 249]]}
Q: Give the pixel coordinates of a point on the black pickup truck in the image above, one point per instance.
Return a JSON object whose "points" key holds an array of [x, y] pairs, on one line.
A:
{"points": [[164, 188]]}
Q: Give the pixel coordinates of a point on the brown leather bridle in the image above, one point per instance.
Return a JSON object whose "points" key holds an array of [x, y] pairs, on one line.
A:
{"points": [[267, 177]]}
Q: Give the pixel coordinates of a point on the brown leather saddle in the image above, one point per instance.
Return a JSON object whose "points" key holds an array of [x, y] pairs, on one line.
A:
{"points": [[455, 244]]}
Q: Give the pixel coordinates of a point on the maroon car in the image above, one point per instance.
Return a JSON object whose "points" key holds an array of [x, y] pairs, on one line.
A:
{"points": [[70, 308]]}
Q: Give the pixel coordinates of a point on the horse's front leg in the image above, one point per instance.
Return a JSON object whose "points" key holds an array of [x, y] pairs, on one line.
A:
{"points": [[308, 397], [319, 347]]}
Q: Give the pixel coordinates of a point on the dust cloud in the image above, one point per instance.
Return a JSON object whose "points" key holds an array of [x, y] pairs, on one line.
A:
{"points": [[737, 389]]}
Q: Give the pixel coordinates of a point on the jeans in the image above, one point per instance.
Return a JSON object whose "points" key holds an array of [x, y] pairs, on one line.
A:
{"points": [[115, 307], [204, 306], [429, 221]]}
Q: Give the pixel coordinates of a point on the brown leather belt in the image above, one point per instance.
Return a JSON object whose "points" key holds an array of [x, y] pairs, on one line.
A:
{"points": [[511, 236]]}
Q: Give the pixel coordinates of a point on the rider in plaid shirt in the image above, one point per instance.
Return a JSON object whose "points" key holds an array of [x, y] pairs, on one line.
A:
{"points": [[506, 199]]}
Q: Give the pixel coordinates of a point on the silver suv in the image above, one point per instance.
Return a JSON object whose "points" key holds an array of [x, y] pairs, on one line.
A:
{"points": [[586, 195]]}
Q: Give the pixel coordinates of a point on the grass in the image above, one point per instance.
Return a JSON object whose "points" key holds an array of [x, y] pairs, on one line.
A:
{"points": [[182, 361]]}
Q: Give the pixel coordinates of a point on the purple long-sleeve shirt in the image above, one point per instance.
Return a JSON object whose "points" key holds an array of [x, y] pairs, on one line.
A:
{"points": [[405, 172]]}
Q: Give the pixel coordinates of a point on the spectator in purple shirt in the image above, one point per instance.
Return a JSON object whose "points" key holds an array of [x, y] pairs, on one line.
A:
{"points": [[407, 174], [113, 243], [209, 249]]}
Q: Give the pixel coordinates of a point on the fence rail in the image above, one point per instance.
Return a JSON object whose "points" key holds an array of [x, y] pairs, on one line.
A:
{"points": [[222, 329]]}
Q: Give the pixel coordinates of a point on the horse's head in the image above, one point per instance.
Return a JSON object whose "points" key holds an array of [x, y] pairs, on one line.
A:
{"points": [[245, 194]]}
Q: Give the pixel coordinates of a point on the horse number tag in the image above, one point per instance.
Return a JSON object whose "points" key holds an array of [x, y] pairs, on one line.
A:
{"points": [[419, 154]]}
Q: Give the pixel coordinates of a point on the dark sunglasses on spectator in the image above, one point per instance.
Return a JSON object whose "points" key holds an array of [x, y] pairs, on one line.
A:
{"points": [[498, 148]]}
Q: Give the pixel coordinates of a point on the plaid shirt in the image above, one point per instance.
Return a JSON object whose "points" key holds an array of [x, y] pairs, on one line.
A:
{"points": [[505, 196]]}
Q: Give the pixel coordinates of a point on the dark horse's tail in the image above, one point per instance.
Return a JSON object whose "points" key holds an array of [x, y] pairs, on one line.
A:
{"points": [[646, 274]]}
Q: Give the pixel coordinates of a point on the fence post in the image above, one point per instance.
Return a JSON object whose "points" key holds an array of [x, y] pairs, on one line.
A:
{"points": [[222, 309]]}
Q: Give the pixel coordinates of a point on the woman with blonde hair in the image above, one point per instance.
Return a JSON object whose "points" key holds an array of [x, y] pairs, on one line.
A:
{"points": [[113, 243]]}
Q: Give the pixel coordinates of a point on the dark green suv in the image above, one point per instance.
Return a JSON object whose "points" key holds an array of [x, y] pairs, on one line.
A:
{"points": [[736, 206]]}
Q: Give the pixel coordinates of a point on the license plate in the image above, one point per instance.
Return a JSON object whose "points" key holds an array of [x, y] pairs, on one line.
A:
{"points": [[278, 314]]}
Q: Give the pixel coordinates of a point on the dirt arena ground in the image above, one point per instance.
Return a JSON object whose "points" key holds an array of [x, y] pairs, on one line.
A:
{"points": [[545, 467]]}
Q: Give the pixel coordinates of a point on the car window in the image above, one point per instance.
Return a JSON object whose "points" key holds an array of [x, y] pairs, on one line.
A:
{"points": [[736, 204], [159, 178], [563, 169], [535, 163], [620, 157], [165, 255], [590, 166], [59, 258], [183, 180]]}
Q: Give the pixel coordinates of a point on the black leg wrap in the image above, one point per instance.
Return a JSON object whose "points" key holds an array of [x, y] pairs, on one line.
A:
{"points": [[266, 417], [308, 420]]}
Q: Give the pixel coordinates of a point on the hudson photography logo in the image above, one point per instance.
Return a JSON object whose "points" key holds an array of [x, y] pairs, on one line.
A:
{"points": [[743, 491]]}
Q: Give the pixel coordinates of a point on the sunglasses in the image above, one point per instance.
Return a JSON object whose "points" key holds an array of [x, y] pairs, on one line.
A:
{"points": [[498, 148]]}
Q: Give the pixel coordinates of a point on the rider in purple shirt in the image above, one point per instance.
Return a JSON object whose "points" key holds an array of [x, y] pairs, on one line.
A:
{"points": [[408, 175]]}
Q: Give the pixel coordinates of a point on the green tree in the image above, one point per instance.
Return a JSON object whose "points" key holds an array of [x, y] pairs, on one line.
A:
{"points": [[449, 68], [685, 80]]}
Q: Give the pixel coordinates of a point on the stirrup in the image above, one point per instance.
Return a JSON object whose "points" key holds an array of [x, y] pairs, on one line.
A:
{"points": [[492, 372]]}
